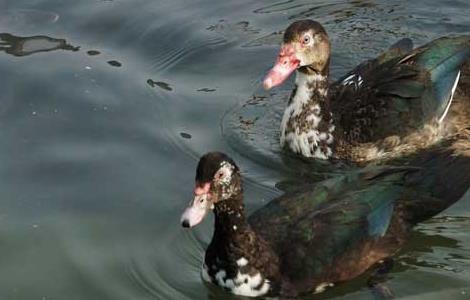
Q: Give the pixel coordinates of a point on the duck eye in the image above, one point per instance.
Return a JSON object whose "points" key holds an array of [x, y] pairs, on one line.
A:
{"points": [[219, 175], [306, 39], [224, 173]]}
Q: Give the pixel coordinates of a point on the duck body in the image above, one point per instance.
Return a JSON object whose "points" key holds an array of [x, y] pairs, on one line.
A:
{"points": [[324, 233], [399, 98], [336, 231], [240, 261]]}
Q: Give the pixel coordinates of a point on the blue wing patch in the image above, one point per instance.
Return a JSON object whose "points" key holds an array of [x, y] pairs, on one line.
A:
{"points": [[379, 219]]}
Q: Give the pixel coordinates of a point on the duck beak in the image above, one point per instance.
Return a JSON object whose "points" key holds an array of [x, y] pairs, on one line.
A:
{"points": [[198, 208], [286, 63]]}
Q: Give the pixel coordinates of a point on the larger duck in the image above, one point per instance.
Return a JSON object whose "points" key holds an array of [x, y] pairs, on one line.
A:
{"points": [[396, 100], [322, 234]]}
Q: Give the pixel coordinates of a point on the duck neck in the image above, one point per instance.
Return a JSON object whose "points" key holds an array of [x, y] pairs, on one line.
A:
{"points": [[311, 86], [232, 258], [230, 217], [307, 125]]}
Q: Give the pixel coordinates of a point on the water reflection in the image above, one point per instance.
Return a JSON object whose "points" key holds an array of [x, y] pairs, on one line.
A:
{"points": [[163, 85], [93, 52], [206, 90], [118, 152], [23, 46], [114, 63]]}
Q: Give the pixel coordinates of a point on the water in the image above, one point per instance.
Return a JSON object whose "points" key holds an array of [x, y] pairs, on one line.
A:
{"points": [[106, 106]]}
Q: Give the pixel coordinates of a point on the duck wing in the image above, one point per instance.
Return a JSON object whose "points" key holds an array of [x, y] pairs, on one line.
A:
{"points": [[315, 231], [397, 93], [399, 49]]}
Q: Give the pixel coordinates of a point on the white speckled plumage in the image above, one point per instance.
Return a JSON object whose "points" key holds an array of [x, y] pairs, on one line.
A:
{"points": [[353, 79], [241, 262], [306, 142], [242, 284], [322, 287]]}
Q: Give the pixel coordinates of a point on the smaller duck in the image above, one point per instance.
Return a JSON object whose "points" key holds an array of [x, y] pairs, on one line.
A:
{"points": [[396, 100], [322, 234]]}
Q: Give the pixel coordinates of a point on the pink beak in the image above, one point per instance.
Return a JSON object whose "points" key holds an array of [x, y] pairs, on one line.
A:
{"points": [[286, 63], [199, 206]]}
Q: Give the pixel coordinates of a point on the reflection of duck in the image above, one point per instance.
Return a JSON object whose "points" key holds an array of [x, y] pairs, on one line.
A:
{"points": [[397, 99], [325, 233], [22, 46]]}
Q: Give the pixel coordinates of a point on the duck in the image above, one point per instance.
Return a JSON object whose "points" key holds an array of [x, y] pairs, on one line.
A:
{"points": [[384, 106], [324, 233]]}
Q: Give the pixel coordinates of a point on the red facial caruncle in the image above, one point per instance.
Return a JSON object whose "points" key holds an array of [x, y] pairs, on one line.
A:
{"points": [[286, 63]]}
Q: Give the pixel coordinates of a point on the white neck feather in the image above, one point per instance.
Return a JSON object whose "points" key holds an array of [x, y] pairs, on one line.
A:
{"points": [[306, 83], [303, 135]]}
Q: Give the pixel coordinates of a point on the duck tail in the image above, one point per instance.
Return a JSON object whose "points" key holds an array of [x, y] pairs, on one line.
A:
{"points": [[443, 59]]}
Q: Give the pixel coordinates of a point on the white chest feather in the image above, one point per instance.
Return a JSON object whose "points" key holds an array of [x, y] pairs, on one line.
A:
{"points": [[299, 125], [242, 284]]}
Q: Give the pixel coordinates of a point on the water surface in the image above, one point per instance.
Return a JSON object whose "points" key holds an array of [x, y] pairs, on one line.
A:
{"points": [[106, 106]]}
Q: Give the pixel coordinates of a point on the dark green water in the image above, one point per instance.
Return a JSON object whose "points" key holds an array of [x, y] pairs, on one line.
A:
{"points": [[100, 134]]}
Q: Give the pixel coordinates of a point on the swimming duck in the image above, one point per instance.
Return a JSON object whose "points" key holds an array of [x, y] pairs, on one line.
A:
{"points": [[322, 234], [399, 98]]}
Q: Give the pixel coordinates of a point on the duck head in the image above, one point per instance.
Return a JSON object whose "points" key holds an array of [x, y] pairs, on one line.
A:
{"points": [[217, 180], [305, 47]]}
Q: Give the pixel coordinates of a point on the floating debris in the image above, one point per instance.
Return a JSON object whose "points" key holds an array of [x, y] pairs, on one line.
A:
{"points": [[114, 63], [160, 84], [207, 90], [185, 135], [247, 123], [93, 52], [255, 100]]}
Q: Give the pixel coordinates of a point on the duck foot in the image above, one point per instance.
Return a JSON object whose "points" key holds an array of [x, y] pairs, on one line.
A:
{"points": [[377, 280]]}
